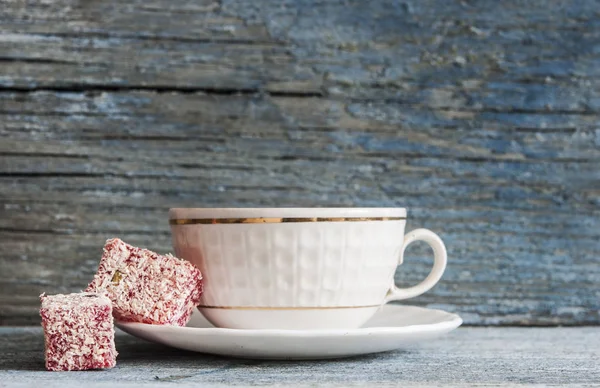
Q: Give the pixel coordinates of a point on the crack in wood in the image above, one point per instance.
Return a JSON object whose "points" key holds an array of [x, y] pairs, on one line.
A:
{"points": [[43, 61], [154, 37], [80, 232], [44, 155], [90, 88], [33, 174]]}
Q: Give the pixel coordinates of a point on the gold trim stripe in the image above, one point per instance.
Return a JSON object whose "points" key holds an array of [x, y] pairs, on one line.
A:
{"points": [[284, 308], [275, 220]]}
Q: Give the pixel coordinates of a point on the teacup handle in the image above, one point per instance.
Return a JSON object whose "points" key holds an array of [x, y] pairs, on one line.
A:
{"points": [[439, 265]]}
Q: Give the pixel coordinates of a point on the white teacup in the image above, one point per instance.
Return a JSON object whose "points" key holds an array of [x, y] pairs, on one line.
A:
{"points": [[298, 268]]}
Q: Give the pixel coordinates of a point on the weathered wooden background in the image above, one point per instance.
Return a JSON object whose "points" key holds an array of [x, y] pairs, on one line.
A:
{"points": [[481, 117]]}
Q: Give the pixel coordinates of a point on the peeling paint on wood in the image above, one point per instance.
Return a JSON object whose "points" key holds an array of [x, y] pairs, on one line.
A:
{"points": [[480, 117]]}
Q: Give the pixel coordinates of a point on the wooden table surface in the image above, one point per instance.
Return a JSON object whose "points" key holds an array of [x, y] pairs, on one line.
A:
{"points": [[466, 357]]}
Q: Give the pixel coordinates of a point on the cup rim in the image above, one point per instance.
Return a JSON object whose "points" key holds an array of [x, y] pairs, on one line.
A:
{"points": [[287, 212]]}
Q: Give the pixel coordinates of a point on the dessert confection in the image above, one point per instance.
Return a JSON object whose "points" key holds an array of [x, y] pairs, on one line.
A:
{"points": [[147, 287], [78, 331]]}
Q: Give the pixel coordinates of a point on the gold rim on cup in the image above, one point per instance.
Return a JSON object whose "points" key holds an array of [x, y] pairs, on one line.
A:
{"points": [[285, 308], [275, 220]]}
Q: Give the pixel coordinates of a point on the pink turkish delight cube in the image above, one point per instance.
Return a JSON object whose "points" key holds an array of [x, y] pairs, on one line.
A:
{"points": [[147, 287], [78, 332]]}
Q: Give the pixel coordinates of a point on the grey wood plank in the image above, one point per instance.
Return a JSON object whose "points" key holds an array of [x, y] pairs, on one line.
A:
{"points": [[519, 215], [499, 357], [306, 46]]}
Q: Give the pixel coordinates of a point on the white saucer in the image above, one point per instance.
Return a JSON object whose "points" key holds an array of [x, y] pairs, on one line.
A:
{"points": [[392, 327]]}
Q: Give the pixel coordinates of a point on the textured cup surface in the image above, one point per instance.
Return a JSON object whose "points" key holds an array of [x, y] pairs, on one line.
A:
{"points": [[292, 258]]}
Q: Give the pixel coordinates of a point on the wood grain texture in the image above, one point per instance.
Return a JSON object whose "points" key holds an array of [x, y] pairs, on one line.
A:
{"points": [[480, 117], [481, 357]]}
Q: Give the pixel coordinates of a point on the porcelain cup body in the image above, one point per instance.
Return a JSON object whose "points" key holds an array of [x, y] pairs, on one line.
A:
{"points": [[297, 268]]}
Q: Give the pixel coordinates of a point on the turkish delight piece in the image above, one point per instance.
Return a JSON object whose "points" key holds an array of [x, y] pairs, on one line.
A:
{"points": [[78, 331], [147, 287]]}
